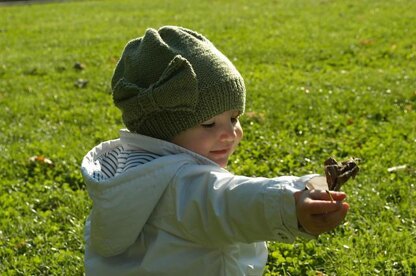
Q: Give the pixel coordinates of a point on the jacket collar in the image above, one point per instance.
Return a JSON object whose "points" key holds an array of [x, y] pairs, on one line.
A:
{"points": [[160, 147]]}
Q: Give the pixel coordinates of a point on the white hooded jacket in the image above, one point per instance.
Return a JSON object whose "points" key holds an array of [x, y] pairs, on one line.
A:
{"points": [[178, 213]]}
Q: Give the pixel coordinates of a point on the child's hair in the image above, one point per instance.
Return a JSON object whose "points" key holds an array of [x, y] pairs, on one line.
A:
{"points": [[173, 79]]}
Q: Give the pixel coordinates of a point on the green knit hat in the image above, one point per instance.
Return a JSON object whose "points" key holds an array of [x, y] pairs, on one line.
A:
{"points": [[173, 79]]}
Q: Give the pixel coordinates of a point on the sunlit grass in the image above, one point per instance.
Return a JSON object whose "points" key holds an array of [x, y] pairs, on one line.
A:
{"points": [[323, 78]]}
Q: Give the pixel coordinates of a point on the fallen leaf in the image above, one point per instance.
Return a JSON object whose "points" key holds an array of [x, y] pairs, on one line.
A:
{"points": [[81, 83], [40, 159], [79, 66]]}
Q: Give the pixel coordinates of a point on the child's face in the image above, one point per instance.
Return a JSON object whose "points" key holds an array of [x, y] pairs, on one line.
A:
{"points": [[216, 139]]}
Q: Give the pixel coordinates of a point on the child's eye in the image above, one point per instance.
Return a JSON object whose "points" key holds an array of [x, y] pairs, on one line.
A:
{"points": [[234, 120], [208, 125]]}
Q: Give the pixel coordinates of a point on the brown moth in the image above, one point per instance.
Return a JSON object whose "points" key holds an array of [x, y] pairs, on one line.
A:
{"points": [[336, 174]]}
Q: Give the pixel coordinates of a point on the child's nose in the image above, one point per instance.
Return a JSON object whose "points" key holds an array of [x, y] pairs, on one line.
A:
{"points": [[228, 132]]}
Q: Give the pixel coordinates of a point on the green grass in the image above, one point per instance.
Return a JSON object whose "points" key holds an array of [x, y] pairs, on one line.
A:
{"points": [[323, 77]]}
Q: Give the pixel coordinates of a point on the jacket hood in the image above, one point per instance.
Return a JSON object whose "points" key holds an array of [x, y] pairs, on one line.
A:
{"points": [[122, 203]]}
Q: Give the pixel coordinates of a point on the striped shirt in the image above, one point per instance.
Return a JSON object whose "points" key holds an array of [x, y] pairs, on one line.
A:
{"points": [[119, 160]]}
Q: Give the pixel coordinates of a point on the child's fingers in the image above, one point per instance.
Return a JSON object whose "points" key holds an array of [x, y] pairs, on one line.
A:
{"points": [[332, 219], [327, 221], [326, 195], [338, 196], [324, 207], [319, 202], [317, 214]]}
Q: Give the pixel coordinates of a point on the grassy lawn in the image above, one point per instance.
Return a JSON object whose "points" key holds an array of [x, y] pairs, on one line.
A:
{"points": [[324, 78]]}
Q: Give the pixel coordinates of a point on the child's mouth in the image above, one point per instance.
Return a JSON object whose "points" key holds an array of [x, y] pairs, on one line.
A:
{"points": [[220, 152]]}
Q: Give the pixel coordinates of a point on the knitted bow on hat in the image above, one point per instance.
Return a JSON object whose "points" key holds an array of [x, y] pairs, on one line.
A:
{"points": [[164, 95]]}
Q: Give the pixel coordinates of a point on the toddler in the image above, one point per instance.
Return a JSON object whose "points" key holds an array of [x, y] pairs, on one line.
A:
{"points": [[163, 202]]}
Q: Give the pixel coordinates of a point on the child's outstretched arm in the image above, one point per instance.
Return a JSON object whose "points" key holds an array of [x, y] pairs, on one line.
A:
{"points": [[317, 213]]}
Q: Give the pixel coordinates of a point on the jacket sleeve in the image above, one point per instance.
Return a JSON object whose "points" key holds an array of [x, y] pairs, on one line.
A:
{"points": [[214, 207]]}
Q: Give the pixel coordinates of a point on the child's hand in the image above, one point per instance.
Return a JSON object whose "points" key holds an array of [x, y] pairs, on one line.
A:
{"points": [[316, 213]]}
